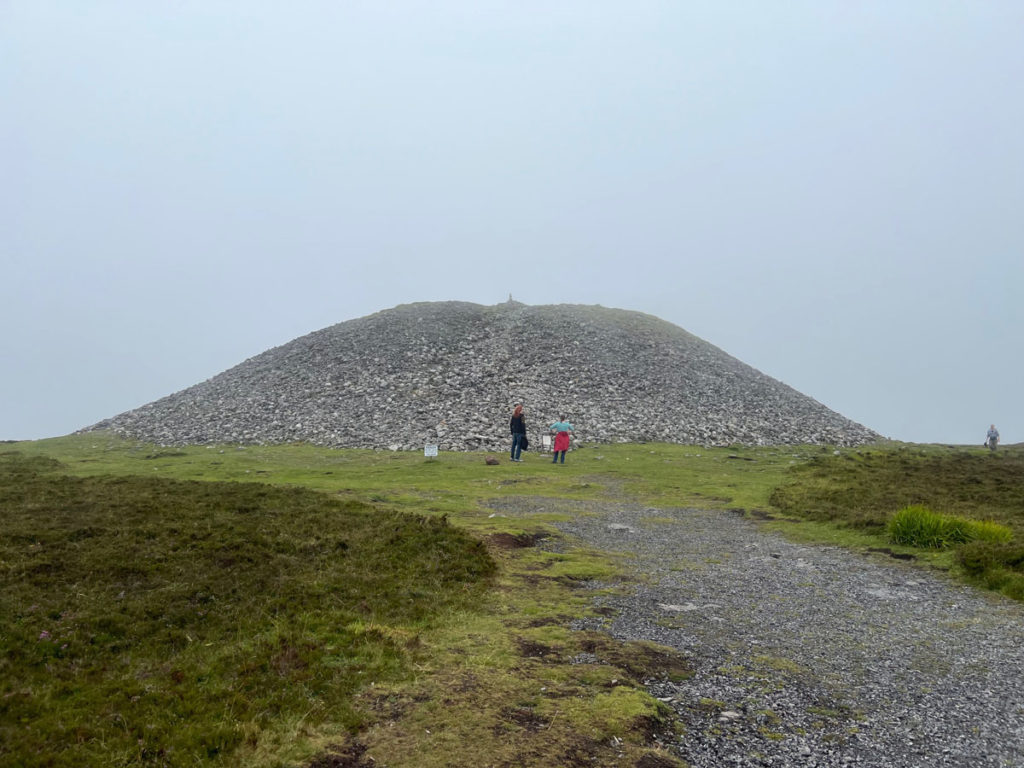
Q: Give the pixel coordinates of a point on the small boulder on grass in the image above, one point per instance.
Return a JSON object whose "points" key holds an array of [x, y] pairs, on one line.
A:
{"points": [[491, 461]]}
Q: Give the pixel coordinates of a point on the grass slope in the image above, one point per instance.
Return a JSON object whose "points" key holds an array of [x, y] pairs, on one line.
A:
{"points": [[418, 654], [153, 621], [864, 488], [858, 494]]}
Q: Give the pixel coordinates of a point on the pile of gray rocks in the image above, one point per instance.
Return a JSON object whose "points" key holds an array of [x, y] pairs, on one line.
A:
{"points": [[449, 373]]}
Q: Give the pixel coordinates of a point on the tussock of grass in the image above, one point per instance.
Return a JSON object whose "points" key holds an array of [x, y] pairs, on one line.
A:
{"points": [[148, 621], [918, 526], [987, 530]]}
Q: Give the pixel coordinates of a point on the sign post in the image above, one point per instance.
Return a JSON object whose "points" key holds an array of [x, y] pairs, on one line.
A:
{"points": [[430, 451]]}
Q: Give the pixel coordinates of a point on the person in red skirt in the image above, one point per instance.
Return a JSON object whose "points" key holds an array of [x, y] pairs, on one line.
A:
{"points": [[561, 428]]}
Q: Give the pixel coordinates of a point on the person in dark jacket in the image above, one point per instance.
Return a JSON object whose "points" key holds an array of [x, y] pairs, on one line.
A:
{"points": [[518, 427]]}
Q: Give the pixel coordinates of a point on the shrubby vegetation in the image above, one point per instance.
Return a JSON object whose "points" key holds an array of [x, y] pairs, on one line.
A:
{"points": [[997, 566], [157, 622]]}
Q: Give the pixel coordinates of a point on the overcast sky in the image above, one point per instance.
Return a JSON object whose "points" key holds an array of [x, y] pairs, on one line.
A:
{"points": [[833, 192]]}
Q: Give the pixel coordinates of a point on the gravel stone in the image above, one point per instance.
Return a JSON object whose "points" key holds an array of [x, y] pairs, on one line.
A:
{"points": [[448, 374], [806, 655]]}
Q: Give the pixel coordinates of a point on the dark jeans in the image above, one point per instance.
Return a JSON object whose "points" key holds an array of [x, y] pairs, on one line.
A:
{"points": [[554, 457], [517, 440]]}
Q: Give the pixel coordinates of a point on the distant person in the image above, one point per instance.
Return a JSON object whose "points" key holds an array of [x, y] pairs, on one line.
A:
{"points": [[561, 428], [992, 438], [518, 427]]}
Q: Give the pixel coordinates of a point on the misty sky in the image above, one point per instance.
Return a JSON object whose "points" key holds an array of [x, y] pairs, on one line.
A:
{"points": [[833, 192]]}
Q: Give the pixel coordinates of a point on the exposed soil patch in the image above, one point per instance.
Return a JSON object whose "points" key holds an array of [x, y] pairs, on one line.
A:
{"points": [[392, 707], [534, 650], [547, 621], [656, 761], [289, 659], [583, 754], [518, 480], [515, 541], [349, 756], [525, 718], [643, 661], [894, 555]]}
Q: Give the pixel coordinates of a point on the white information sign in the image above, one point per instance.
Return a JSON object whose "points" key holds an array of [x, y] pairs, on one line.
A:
{"points": [[430, 451], [545, 440]]}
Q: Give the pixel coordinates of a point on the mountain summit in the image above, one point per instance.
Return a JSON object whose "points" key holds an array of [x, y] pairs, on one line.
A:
{"points": [[450, 372]]}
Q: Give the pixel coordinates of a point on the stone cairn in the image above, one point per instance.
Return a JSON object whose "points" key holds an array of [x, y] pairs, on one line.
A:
{"points": [[449, 373]]}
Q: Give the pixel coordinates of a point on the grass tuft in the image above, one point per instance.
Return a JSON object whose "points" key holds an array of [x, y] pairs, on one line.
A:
{"points": [[919, 526]]}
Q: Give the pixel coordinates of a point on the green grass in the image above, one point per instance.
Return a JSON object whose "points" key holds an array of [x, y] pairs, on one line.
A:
{"points": [[998, 566], [919, 526], [212, 617], [422, 672], [148, 621], [864, 488], [876, 497], [660, 474]]}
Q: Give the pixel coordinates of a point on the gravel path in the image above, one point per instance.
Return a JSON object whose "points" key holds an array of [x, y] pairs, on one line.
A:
{"points": [[810, 656]]}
